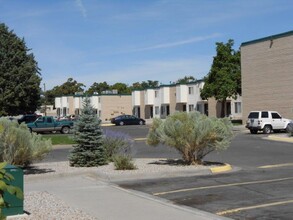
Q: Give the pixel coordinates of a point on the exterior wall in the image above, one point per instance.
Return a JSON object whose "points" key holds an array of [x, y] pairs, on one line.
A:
{"points": [[136, 98], [165, 95], [142, 105], [149, 96], [172, 103], [267, 75], [157, 103], [71, 105], [216, 106], [194, 99], [181, 93], [114, 105]]}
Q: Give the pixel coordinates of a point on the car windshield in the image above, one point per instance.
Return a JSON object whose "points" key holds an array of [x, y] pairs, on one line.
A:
{"points": [[253, 115]]}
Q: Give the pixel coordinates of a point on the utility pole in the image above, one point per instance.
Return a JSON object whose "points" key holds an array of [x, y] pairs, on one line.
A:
{"points": [[45, 100]]}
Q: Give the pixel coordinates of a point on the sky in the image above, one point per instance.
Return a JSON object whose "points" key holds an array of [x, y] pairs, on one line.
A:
{"points": [[132, 41]]}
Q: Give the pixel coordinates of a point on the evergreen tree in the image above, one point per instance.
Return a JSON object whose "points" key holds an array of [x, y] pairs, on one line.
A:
{"points": [[19, 75], [89, 150]]}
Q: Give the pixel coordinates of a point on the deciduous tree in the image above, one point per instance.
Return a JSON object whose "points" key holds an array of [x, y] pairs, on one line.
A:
{"points": [[224, 78]]}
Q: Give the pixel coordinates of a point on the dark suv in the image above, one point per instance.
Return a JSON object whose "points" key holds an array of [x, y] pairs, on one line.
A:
{"points": [[28, 118]]}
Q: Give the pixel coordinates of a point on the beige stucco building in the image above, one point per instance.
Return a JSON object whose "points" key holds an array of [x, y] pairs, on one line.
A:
{"points": [[267, 74], [107, 106]]}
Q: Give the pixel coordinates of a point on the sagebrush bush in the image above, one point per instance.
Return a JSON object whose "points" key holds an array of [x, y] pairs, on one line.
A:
{"points": [[116, 143], [123, 162], [18, 146], [193, 134]]}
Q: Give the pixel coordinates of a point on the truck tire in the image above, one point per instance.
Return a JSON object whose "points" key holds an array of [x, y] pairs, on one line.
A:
{"points": [[267, 129], [65, 130], [253, 131]]}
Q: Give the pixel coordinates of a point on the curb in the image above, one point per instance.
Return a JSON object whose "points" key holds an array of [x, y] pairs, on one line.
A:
{"points": [[226, 167]]}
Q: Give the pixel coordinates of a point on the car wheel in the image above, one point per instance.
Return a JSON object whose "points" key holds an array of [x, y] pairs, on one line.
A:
{"points": [[65, 130], [253, 131], [267, 129], [31, 131], [121, 123], [141, 122]]}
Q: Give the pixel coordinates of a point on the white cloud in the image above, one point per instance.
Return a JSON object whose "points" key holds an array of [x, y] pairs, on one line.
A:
{"points": [[81, 7], [179, 43]]}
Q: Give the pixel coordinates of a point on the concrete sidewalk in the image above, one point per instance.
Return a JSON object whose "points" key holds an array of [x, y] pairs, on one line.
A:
{"points": [[106, 201]]}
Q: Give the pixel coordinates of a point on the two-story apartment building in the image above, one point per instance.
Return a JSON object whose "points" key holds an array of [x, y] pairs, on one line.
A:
{"points": [[166, 99], [267, 74], [106, 106]]}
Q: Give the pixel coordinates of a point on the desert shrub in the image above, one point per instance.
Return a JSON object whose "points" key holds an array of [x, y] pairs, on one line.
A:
{"points": [[5, 186], [18, 146], [116, 143], [193, 135], [123, 162]]}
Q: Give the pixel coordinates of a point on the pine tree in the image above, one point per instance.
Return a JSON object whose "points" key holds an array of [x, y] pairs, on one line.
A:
{"points": [[89, 150], [19, 75]]}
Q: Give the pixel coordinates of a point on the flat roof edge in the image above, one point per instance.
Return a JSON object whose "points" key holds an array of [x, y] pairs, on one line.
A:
{"points": [[272, 37]]}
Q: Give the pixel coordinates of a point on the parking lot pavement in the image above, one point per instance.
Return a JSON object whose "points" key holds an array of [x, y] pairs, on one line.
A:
{"points": [[104, 200]]}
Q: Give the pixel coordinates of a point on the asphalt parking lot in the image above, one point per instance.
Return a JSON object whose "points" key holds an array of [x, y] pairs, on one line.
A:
{"points": [[259, 187]]}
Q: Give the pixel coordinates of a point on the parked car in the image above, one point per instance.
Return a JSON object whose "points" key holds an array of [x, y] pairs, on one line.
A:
{"points": [[48, 124], [28, 118], [266, 121], [127, 120]]}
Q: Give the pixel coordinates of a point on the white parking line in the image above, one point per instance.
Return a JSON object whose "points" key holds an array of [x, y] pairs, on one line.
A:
{"points": [[223, 185], [254, 207], [276, 165]]}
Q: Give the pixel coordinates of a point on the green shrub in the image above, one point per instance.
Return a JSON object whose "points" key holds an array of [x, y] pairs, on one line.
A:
{"points": [[123, 162], [5, 178], [20, 147], [193, 134], [116, 143]]}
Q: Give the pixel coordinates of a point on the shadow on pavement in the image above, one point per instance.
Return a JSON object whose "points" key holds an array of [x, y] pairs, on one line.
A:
{"points": [[34, 170]]}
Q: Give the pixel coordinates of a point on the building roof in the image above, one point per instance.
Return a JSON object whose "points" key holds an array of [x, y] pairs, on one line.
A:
{"points": [[272, 37]]}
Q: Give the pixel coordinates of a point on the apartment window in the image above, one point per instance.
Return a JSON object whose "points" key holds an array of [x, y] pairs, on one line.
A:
{"points": [[191, 108], [190, 90], [157, 110], [156, 94], [237, 107]]}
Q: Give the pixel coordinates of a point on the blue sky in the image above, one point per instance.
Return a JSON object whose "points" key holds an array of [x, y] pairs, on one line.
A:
{"points": [[137, 40]]}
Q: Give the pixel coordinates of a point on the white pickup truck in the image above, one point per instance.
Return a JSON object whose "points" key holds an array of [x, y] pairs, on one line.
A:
{"points": [[266, 121]]}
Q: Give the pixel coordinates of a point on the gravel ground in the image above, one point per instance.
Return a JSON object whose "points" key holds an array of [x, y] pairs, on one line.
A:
{"points": [[36, 202]]}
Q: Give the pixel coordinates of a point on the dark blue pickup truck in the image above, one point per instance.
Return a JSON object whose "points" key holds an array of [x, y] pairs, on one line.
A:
{"points": [[48, 124]]}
